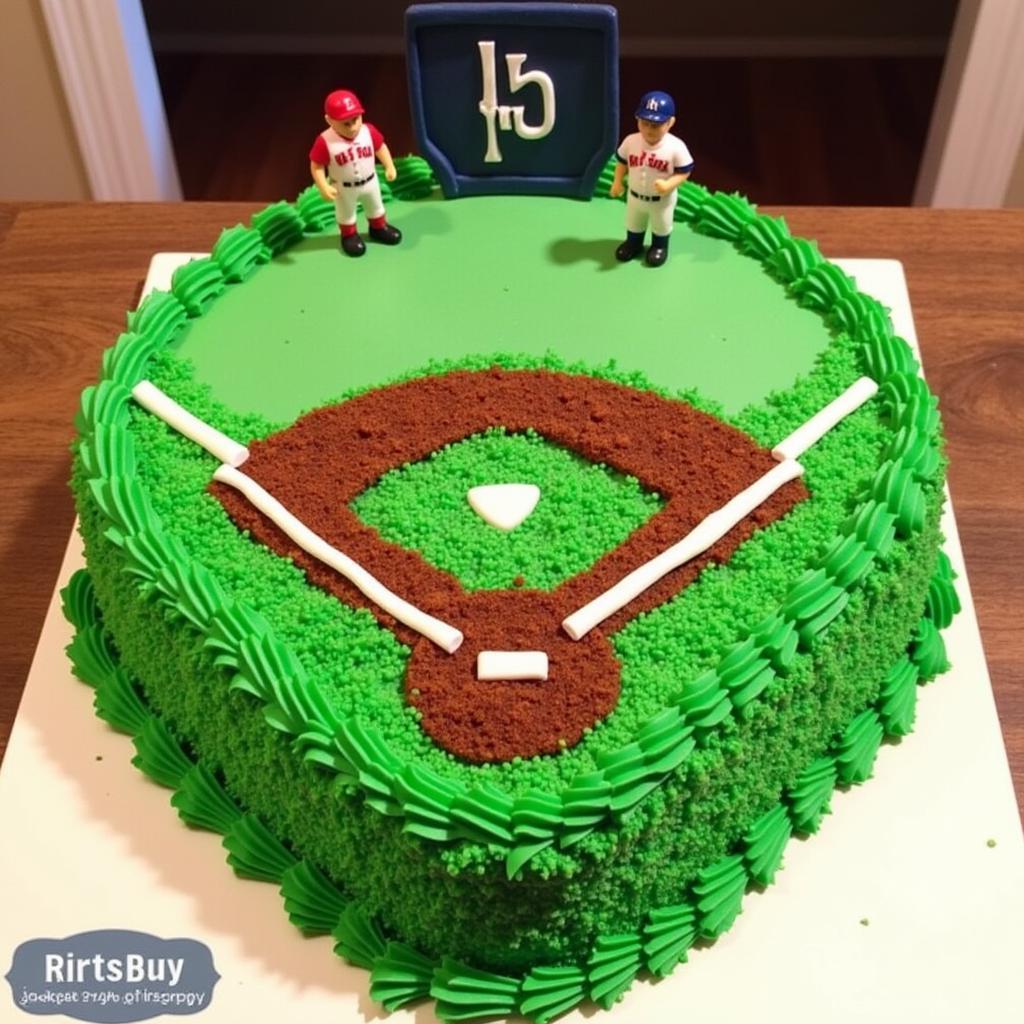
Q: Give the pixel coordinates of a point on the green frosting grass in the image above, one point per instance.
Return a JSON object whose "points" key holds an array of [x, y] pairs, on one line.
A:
{"points": [[431, 895], [609, 880], [359, 667], [584, 511]]}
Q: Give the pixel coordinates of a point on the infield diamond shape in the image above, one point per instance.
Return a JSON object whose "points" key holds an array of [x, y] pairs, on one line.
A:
{"points": [[587, 510]]}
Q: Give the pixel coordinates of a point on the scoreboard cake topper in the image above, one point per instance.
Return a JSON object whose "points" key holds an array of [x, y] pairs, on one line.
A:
{"points": [[514, 98]]}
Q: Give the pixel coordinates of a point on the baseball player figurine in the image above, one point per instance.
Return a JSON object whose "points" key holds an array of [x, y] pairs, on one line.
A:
{"points": [[345, 152], [657, 164]]}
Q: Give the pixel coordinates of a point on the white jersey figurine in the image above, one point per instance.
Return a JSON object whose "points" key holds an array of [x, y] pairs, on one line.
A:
{"points": [[652, 164]]}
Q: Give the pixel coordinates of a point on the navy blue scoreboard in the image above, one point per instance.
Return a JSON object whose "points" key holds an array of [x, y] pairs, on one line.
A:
{"points": [[514, 97]]}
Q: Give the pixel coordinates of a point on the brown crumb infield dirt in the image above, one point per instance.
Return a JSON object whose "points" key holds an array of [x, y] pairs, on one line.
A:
{"points": [[318, 465]]}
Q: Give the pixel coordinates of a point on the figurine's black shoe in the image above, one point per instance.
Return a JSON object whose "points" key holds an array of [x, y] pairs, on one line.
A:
{"points": [[656, 255], [388, 234], [352, 245], [629, 250]]}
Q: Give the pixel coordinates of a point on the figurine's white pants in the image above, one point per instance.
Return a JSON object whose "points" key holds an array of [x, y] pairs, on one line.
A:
{"points": [[640, 213], [349, 198]]}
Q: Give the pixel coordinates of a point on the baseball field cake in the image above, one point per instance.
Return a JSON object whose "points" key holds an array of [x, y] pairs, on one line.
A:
{"points": [[508, 606]]}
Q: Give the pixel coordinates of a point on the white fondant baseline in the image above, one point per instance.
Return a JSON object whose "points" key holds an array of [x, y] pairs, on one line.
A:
{"points": [[709, 530], [233, 454], [447, 637], [825, 419], [219, 445], [720, 522]]}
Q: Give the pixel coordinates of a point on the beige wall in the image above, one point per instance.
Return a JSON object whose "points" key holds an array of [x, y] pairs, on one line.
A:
{"points": [[40, 154], [1015, 191]]}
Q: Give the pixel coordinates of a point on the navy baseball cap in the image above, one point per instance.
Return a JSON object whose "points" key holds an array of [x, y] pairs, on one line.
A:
{"points": [[656, 106]]}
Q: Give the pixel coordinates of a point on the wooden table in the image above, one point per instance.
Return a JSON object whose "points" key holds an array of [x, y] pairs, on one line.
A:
{"points": [[69, 271]]}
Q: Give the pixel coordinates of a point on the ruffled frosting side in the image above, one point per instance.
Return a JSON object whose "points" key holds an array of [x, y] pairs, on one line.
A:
{"points": [[196, 284], [202, 803], [158, 319], [317, 213], [465, 993], [125, 362], [764, 842], [548, 992], [943, 603], [312, 902], [725, 215], [898, 702], [414, 180], [668, 934], [859, 746], [718, 895], [359, 940], [763, 236], [400, 974], [809, 797], [692, 196], [794, 260], [239, 251], [279, 225]]}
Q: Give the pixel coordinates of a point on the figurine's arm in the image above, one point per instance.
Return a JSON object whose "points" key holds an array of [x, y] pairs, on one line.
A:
{"points": [[327, 190], [665, 185], [384, 156], [617, 187]]}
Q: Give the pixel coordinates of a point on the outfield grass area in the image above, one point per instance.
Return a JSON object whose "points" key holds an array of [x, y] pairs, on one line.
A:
{"points": [[500, 274]]}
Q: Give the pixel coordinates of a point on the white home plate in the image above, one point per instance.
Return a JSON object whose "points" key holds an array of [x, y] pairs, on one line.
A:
{"points": [[512, 665], [503, 505], [897, 911]]}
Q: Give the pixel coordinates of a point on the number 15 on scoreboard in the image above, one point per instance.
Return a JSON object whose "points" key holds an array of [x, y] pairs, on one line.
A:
{"points": [[514, 98], [507, 117]]}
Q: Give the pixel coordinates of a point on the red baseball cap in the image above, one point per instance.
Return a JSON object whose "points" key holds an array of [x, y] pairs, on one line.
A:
{"points": [[341, 104]]}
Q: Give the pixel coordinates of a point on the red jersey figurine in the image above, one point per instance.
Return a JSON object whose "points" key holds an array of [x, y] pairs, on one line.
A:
{"points": [[345, 152]]}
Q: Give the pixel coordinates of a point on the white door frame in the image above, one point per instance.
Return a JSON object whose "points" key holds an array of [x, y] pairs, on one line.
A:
{"points": [[977, 123], [111, 89]]}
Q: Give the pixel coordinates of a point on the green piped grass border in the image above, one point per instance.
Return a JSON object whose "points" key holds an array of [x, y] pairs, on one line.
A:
{"points": [[438, 809], [400, 974]]}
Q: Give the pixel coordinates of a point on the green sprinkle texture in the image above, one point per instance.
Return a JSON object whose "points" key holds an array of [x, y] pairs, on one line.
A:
{"points": [[585, 510]]}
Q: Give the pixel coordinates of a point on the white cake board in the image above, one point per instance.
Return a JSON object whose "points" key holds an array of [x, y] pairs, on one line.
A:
{"points": [[91, 844]]}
